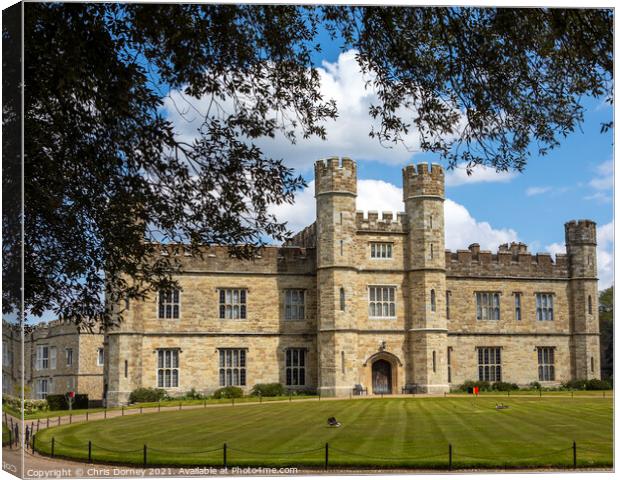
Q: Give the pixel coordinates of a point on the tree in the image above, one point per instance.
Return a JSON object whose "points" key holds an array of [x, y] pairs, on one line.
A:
{"points": [[606, 327], [106, 178]]}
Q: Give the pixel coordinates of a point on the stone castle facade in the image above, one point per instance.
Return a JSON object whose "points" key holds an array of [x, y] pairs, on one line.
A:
{"points": [[58, 358], [357, 300]]}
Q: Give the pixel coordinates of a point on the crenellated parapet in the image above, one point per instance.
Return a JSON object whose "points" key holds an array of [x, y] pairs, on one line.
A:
{"points": [[580, 232], [511, 260], [305, 238], [387, 223], [268, 259], [419, 180], [335, 175]]}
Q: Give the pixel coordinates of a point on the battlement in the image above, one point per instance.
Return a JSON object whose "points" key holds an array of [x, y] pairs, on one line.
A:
{"points": [[511, 260], [305, 238], [580, 232], [268, 259], [387, 222], [335, 175], [419, 180]]}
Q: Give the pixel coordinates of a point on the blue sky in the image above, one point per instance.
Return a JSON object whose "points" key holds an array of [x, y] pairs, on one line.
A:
{"points": [[574, 181]]}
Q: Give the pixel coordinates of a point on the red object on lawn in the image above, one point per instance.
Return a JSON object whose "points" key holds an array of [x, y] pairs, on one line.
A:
{"points": [[476, 390], [71, 394]]}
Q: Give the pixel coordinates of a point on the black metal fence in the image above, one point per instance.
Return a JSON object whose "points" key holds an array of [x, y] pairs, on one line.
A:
{"points": [[326, 456]]}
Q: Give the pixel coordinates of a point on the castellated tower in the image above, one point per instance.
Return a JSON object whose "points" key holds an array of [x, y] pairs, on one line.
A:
{"points": [[581, 251], [423, 193], [335, 192]]}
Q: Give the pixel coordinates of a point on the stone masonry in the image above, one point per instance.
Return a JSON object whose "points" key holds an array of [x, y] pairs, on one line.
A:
{"points": [[432, 331]]}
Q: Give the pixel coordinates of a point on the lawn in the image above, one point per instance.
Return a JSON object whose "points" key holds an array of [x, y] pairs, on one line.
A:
{"points": [[390, 432]]}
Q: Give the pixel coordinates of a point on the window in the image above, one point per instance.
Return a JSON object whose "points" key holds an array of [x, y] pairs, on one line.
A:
{"points": [[169, 304], [433, 302], [434, 361], [232, 367], [126, 368], [544, 306], [487, 306], [590, 304], [43, 385], [448, 294], [380, 250], [430, 221], [489, 364], [42, 357], [449, 365], [294, 304], [233, 302], [53, 357], [431, 249], [517, 306], [342, 303], [381, 302], [100, 357], [167, 368], [592, 364], [6, 358], [69, 356], [296, 366], [341, 247], [342, 361], [546, 369]]}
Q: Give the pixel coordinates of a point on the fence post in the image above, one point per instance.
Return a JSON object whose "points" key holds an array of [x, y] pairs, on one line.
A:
{"points": [[225, 459], [53, 441], [144, 456], [508, 392], [319, 395], [572, 394], [48, 422], [58, 419], [290, 396], [326, 455], [204, 403], [180, 405], [10, 438], [87, 415], [140, 408], [449, 456], [603, 394], [38, 420], [90, 452], [574, 454], [70, 418], [105, 413], [33, 437]]}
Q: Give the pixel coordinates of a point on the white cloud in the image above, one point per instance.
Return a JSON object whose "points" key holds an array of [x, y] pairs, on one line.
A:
{"points": [[341, 81], [604, 254], [461, 228], [531, 191], [605, 178], [480, 174], [600, 197]]}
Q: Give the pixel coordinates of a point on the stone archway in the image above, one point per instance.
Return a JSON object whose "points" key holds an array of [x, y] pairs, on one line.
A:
{"points": [[381, 373]]}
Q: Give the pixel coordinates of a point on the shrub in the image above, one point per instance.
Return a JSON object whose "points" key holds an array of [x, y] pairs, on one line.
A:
{"points": [[193, 395], [596, 384], [140, 395], [228, 392], [504, 386], [575, 385], [30, 406], [268, 390], [482, 385], [59, 402], [535, 386]]}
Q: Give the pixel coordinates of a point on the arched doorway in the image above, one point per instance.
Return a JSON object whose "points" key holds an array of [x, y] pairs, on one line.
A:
{"points": [[381, 377]]}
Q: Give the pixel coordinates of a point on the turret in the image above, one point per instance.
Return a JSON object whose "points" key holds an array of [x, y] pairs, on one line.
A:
{"points": [[423, 194], [335, 192], [581, 252]]}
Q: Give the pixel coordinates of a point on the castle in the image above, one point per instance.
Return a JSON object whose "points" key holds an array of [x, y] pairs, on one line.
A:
{"points": [[357, 301], [59, 357]]}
